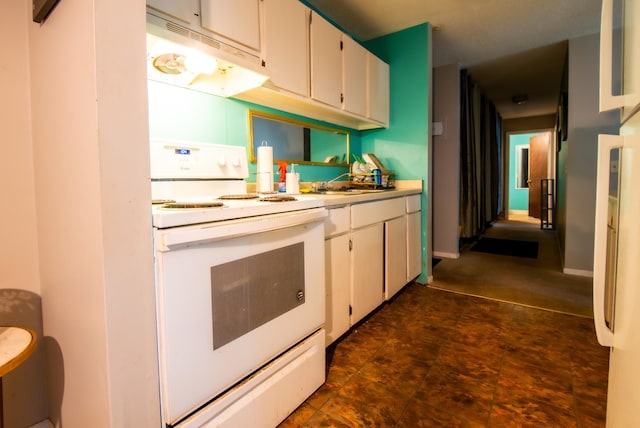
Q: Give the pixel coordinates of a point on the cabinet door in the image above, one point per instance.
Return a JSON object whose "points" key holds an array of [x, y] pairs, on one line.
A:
{"points": [[326, 62], [366, 270], [236, 20], [354, 75], [184, 11], [414, 246], [286, 44], [337, 286], [395, 251], [377, 89]]}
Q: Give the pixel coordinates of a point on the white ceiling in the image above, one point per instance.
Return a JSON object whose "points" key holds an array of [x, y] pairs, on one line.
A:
{"points": [[510, 47]]}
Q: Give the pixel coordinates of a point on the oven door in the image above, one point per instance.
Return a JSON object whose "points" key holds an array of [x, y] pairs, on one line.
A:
{"points": [[232, 296]]}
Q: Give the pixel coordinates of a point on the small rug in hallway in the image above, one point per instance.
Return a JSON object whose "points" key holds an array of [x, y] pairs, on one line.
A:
{"points": [[507, 247]]}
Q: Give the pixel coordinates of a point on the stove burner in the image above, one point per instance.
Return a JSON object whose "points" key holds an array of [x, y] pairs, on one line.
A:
{"points": [[240, 196], [191, 205], [161, 201], [279, 198]]}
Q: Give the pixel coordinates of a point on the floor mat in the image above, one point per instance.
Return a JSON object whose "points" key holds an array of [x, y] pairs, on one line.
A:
{"points": [[507, 247]]}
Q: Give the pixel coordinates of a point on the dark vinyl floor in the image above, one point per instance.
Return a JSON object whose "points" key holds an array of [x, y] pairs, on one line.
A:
{"points": [[433, 358]]}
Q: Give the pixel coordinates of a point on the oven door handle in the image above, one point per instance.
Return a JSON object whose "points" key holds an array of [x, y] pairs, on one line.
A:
{"points": [[171, 239]]}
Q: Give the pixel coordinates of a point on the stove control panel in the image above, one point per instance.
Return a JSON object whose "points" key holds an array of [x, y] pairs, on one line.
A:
{"points": [[187, 159]]}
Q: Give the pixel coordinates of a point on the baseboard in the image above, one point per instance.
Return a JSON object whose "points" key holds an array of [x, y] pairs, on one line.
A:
{"points": [[43, 424], [578, 272], [443, 255]]}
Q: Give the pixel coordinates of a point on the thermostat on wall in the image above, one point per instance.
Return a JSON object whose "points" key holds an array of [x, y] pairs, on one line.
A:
{"points": [[42, 9]]}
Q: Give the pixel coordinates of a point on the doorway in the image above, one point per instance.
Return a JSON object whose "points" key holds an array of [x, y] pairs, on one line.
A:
{"points": [[530, 160]]}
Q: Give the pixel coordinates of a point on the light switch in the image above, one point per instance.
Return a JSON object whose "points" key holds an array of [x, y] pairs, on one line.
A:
{"points": [[437, 128]]}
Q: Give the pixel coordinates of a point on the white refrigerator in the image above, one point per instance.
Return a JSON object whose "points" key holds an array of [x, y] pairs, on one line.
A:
{"points": [[617, 230]]}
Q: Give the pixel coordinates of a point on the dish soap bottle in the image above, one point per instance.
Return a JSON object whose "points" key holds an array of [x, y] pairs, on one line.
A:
{"points": [[293, 181]]}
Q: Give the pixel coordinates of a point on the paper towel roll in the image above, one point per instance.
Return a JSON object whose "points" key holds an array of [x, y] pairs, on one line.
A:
{"points": [[265, 158], [265, 182], [264, 177]]}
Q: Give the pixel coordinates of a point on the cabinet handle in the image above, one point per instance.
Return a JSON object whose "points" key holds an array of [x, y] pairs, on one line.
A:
{"points": [[350, 245]]}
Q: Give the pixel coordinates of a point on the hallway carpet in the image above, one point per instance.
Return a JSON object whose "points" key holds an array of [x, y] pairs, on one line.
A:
{"points": [[536, 282], [507, 247], [432, 358]]}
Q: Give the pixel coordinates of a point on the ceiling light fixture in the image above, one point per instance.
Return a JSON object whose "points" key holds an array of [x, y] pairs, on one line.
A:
{"points": [[519, 99]]}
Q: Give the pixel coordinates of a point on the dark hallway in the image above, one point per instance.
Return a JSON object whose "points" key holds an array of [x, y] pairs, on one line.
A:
{"points": [[537, 282]]}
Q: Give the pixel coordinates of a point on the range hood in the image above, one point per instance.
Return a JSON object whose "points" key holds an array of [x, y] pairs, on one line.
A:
{"points": [[180, 56]]}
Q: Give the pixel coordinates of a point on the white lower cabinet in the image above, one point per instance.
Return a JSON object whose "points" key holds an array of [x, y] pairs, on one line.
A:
{"points": [[414, 237], [367, 248], [337, 273], [395, 256], [338, 290]]}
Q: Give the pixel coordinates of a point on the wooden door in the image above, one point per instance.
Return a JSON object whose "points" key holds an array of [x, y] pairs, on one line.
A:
{"points": [[538, 155]]}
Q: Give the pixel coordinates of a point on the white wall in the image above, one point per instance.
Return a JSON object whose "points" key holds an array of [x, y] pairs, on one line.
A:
{"points": [[446, 162], [584, 125], [24, 395], [18, 254], [90, 165]]}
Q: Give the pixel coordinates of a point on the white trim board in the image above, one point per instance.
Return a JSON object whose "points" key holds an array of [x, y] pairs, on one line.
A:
{"points": [[443, 255], [578, 272]]}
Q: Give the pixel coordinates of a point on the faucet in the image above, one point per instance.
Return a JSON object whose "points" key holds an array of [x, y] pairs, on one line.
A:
{"points": [[324, 184]]}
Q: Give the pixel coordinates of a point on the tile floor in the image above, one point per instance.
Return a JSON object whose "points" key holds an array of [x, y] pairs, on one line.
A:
{"points": [[433, 358]]}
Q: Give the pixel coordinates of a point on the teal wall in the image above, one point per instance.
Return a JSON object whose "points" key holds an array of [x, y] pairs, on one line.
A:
{"points": [[184, 114], [404, 146]]}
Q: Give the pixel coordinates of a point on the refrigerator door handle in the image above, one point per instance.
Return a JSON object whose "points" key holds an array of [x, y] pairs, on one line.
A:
{"points": [[606, 143], [608, 101]]}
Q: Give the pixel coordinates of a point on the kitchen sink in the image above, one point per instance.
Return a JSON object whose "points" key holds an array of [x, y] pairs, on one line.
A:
{"points": [[348, 191]]}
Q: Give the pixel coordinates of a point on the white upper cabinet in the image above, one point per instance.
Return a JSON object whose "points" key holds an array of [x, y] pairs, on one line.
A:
{"points": [[186, 12], [314, 69], [354, 75], [286, 45], [236, 20], [377, 89], [326, 62]]}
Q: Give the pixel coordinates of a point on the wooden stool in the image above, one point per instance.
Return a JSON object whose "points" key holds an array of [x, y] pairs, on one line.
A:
{"points": [[16, 344]]}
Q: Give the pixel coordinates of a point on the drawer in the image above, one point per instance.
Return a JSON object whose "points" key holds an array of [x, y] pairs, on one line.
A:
{"points": [[413, 203], [375, 212], [337, 221]]}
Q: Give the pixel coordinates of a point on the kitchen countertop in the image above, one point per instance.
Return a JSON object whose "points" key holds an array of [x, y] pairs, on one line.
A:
{"points": [[403, 188]]}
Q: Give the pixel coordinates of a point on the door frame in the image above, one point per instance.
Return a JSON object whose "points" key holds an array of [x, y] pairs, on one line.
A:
{"points": [[508, 168]]}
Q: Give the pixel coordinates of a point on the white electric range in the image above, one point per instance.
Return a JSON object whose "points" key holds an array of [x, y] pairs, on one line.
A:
{"points": [[240, 290]]}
